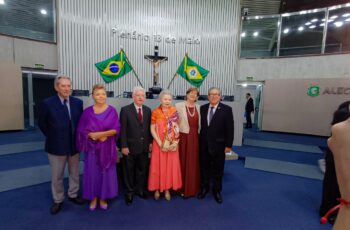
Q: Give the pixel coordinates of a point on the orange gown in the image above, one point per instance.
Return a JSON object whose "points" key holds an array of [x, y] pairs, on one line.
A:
{"points": [[165, 170]]}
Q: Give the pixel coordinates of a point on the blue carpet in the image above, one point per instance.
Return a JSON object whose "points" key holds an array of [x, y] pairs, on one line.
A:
{"points": [[278, 154], [292, 169], [250, 202], [285, 137], [283, 145], [10, 137], [23, 160], [21, 147], [24, 177]]}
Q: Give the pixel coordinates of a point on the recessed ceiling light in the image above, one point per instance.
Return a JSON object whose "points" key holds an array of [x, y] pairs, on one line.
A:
{"points": [[243, 35], [322, 24], [43, 11], [285, 15], [303, 12], [347, 20], [245, 85], [314, 20], [301, 28], [285, 31], [313, 26], [2, 2], [255, 34], [334, 16], [308, 23], [346, 15], [338, 24]]}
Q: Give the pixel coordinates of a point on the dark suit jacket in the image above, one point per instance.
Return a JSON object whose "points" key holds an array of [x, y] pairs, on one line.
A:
{"points": [[56, 126], [135, 135], [219, 134], [249, 106]]}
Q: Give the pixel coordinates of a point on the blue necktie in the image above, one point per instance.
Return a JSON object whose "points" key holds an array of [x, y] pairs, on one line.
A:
{"points": [[66, 108], [211, 114]]}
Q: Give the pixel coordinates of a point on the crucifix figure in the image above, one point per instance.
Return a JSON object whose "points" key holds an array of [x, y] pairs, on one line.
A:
{"points": [[156, 60]]}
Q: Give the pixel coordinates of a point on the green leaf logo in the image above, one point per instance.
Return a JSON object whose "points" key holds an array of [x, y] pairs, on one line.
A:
{"points": [[313, 91]]}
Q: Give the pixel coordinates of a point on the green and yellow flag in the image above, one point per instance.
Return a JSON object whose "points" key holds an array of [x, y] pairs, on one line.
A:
{"points": [[192, 72], [114, 67]]}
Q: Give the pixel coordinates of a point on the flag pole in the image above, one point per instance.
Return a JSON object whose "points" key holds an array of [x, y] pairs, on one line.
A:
{"points": [[127, 59], [172, 79]]}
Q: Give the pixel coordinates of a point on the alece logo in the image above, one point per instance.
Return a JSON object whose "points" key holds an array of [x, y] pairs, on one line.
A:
{"points": [[313, 91]]}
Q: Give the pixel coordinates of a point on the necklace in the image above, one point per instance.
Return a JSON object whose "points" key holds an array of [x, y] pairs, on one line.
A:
{"points": [[189, 113]]}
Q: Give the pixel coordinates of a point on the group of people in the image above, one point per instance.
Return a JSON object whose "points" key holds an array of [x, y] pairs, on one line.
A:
{"points": [[186, 144]]}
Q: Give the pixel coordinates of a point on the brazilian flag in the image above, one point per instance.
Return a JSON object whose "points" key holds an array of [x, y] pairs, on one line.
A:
{"points": [[192, 72], [114, 67]]}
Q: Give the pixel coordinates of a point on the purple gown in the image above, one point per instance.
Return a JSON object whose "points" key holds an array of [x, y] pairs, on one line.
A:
{"points": [[100, 175]]}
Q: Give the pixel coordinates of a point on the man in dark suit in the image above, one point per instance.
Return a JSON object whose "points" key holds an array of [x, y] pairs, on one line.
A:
{"points": [[58, 118], [249, 108], [216, 137], [136, 142]]}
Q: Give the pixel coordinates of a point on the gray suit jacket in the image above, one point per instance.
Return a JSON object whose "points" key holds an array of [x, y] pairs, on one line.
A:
{"points": [[135, 135]]}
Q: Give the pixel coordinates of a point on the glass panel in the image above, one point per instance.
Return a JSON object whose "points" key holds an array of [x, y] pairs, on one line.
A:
{"points": [[259, 37], [29, 19], [338, 30], [302, 33]]}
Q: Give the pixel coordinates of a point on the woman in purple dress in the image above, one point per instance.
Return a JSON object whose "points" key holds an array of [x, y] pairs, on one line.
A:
{"points": [[97, 132]]}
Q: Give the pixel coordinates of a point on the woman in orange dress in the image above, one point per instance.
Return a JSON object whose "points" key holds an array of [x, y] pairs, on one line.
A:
{"points": [[165, 171]]}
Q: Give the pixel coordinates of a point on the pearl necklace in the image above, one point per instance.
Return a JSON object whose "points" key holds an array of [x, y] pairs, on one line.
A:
{"points": [[189, 113]]}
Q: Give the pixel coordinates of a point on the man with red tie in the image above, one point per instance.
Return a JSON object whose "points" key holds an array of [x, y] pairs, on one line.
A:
{"points": [[136, 142]]}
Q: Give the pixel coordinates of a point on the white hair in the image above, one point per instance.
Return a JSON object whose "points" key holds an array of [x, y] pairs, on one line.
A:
{"points": [[214, 88], [137, 89], [59, 77], [165, 92]]}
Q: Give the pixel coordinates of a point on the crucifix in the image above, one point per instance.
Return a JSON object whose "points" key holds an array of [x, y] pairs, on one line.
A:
{"points": [[156, 60]]}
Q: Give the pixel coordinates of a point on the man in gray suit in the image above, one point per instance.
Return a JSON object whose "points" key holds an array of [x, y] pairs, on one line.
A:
{"points": [[136, 142]]}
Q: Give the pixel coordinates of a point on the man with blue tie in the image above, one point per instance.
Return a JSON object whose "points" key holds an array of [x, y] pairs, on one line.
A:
{"points": [[216, 137], [58, 117]]}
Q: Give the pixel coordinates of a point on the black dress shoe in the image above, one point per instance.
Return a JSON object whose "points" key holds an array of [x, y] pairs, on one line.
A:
{"points": [[202, 194], [218, 197], [55, 208], [128, 199], [77, 200], [143, 195]]}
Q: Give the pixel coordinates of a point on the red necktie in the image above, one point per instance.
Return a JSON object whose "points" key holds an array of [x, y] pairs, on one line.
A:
{"points": [[140, 115]]}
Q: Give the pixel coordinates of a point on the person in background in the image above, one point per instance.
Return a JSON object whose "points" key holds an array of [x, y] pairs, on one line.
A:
{"points": [[165, 171], [58, 117], [249, 109], [136, 143], [97, 133], [189, 142]]}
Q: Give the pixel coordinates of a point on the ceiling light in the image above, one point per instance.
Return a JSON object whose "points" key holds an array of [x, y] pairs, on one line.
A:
{"points": [[338, 24], [313, 26], [243, 35], [256, 17], [301, 28], [245, 85], [285, 15], [255, 34], [314, 20], [347, 4], [2, 2], [302, 12], [323, 20], [322, 24], [42, 11], [308, 23], [347, 20], [346, 15], [330, 20], [315, 10], [334, 16], [285, 31]]}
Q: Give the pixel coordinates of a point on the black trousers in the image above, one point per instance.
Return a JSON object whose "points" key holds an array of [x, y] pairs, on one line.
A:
{"points": [[249, 120], [135, 172], [212, 161]]}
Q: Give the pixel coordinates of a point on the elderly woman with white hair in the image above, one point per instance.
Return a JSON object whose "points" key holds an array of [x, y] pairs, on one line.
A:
{"points": [[165, 171]]}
